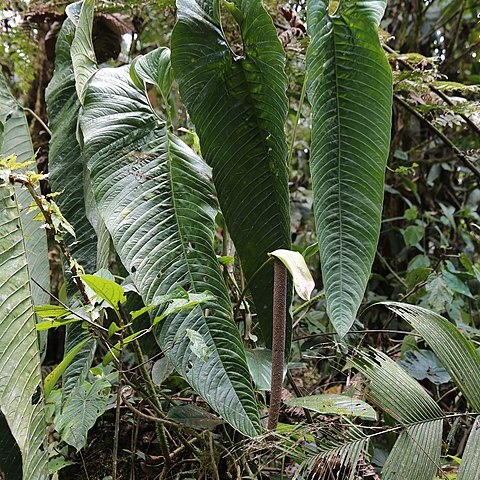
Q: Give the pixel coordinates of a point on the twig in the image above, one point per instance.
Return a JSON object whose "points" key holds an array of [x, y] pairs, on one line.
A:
{"points": [[39, 120], [458, 153]]}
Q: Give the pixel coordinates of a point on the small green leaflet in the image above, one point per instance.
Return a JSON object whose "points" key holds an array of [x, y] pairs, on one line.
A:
{"points": [[51, 311], [106, 289], [178, 304], [198, 345], [52, 378], [335, 405]]}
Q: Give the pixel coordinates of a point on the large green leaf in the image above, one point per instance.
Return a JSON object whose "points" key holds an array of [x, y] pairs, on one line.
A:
{"points": [[458, 354], [16, 140], [157, 201], [349, 85], [416, 453], [239, 107], [21, 398], [66, 166], [65, 160], [470, 467]]}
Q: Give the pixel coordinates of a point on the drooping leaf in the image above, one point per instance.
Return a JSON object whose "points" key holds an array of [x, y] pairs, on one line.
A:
{"points": [[156, 199], [17, 141], [330, 404], [416, 453], [239, 107], [82, 51], [81, 410], [457, 354], [194, 417], [155, 68], [66, 167], [349, 85], [392, 389], [52, 378], [65, 161], [295, 263], [21, 396], [470, 466], [106, 289]]}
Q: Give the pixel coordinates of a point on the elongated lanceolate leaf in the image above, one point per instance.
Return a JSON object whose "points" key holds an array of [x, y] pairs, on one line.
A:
{"points": [[458, 354], [82, 52], [156, 198], [66, 167], [416, 453], [470, 466], [21, 398], [65, 161], [17, 141], [349, 85], [239, 107]]}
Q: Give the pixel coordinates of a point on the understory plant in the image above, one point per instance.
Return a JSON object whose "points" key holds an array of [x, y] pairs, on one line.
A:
{"points": [[176, 251]]}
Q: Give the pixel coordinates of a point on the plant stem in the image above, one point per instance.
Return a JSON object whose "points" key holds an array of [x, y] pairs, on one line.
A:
{"points": [[295, 126], [278, 341], [149, 385]]}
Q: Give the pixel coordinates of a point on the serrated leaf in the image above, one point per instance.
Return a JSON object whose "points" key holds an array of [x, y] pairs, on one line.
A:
{"points": [[335, 405], [158, 205], [295, 263], [349, 85], [239, 108]]}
